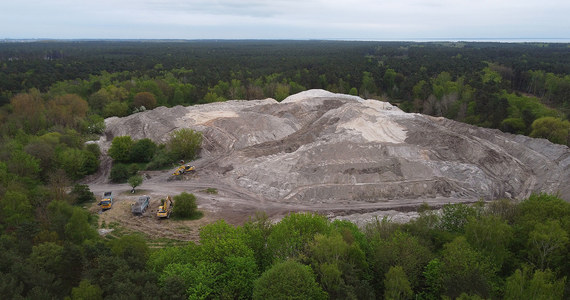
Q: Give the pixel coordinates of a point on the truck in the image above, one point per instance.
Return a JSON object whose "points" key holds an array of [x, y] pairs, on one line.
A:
{"points": [[107, 201], [141, 205], [165, 209]]}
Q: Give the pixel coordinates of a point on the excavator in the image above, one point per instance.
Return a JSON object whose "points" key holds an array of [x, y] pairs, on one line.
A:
{"points": [[184, 169], [165, 209]]}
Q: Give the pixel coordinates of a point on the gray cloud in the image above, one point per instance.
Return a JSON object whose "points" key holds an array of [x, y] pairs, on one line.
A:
{"points": [[357, 19]]}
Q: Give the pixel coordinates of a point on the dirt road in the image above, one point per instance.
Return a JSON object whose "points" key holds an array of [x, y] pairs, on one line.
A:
{"points": [[231, 203]]}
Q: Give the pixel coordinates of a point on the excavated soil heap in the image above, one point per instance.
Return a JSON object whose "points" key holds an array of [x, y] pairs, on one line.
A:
{"points": [[324, 149]]}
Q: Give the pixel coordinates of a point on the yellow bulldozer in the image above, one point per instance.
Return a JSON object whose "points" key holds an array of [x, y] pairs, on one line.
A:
{"points": [[165, 209]]}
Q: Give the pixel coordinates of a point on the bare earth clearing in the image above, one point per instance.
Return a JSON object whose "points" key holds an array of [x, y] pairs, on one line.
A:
{"points": [[338, 155]]}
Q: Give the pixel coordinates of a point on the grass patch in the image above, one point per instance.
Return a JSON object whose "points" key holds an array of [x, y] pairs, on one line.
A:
{"points": [[195, 216], [212, 191], [184, 229]]}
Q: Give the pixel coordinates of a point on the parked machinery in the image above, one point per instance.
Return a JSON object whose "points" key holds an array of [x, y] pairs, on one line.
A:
{"points": [[165, 209]]}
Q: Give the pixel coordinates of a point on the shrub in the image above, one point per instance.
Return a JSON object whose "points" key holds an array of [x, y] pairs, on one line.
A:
{"points": [[133, 169], [119, 173], [185, 144], [143, 150], [288, 280], [82, 193], [185, 205], [120, 150], [160, 160], [212, 191]]}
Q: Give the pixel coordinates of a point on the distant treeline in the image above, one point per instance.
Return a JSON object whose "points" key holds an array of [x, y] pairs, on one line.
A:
{"points": [[504, 86]]}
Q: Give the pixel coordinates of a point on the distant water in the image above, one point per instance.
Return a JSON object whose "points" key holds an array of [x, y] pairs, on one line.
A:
{"points": [[487, 40], [483, 40]]}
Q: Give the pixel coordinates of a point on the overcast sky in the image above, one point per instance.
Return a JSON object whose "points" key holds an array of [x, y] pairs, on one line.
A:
{"points": [[285, 19]]}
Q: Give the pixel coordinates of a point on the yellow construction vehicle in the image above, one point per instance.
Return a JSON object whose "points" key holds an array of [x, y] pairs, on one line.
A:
{"points": [[165, 209], [184, 169]]}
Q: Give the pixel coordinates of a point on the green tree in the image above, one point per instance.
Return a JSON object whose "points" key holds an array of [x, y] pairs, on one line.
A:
{"points": [[292, 235], [553, 129], [397, 286], [543, 285], [256, 233], [86, 291], [145, 99], [120, 150], [132, 248], [73, 161], [91, 162], [401, 249], [282, 91], [340, 265], [185, 205], [23, 164], [185, 144], [466, 270], [116, 109], [94, 124], [98, 100], [15, 208], [143, 150], [490, 235], [78, 228], [288, 280], [119, 173], [455, 216], [368, 87], [82, 193], [434, 279], [547, 244], [135, 181], [48, 257]]}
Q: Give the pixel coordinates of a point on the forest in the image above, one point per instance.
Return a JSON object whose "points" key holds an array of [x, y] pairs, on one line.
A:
{"points": [[54, 96]]}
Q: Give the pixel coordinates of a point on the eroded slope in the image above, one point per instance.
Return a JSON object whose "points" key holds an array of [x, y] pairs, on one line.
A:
{"points": [[328, 150]]}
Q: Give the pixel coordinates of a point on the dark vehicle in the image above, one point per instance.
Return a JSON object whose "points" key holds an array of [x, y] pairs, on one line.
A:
{"points": [[141, 205]]}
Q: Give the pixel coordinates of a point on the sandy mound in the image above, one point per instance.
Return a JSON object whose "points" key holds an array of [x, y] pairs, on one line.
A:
{"points": [[325, 150]]}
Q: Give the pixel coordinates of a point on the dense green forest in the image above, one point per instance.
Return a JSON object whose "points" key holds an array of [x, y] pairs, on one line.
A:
{"points": [[503, 86], [54, 97]]}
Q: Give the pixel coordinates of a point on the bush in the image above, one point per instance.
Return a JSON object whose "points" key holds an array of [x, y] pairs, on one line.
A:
{"points": [[93, 148], [120, 150], [119, 173], [212, 191], [288, 280], [82, 193], [185, 144], [143, 150], [185, 206], [160, 160], [133, 169]]}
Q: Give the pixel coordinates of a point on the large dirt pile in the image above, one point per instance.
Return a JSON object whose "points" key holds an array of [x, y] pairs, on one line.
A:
{"points": [[322, 149]]}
